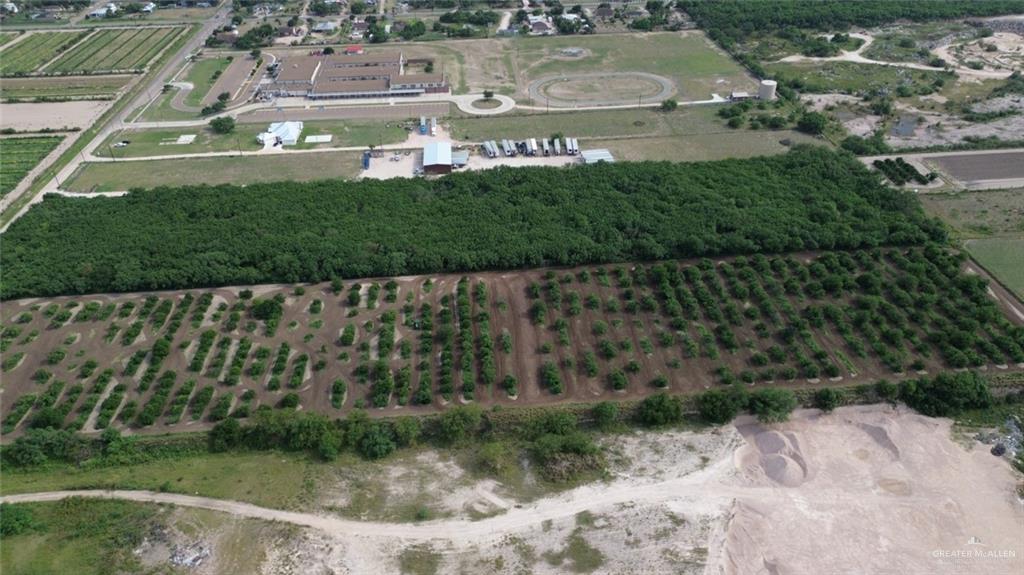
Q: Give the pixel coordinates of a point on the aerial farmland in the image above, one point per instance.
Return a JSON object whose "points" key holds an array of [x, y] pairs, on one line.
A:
{"points": [[423, 287]]}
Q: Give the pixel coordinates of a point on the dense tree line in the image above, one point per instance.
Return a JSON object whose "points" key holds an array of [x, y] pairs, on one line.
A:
{"points": [[810, 198], [730, 20]]}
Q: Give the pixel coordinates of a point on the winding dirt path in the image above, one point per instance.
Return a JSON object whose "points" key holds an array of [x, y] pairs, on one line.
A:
{"points": [[461, 533], [856, 57]]}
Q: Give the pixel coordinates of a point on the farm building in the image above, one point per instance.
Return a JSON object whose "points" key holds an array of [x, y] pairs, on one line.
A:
{"points": [[437, 158], [353, 74], [283, 133], [595, 156]]}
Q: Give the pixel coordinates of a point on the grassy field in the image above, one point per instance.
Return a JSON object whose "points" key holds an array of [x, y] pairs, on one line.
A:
{"points": [[160, 110], [697, 67], [593, 124], [983, 214], [19, 155], [120, 49], [115, 176], [31, 53], [63, 87], [849, 77], [688, 134], [79, 536], [159, 142], [270, 479], [6, 37], [1004, 258], [94, 536], [701, 147], [509, 65], [203, 74]]}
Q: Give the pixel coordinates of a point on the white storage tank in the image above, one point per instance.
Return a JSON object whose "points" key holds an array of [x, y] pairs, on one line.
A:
{"points": [[766, 91]]}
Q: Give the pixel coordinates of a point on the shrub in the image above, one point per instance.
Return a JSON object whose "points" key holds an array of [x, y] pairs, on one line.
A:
{"points": [[458, 423], [660, 409], [946, 394], [605, 414], [772, 404], [377, 441], [827, 399], [721, 406], [289, 401]]}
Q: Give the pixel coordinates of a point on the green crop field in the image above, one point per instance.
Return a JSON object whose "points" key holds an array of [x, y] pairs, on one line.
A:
{"points": [[61, 87], [6, 37], [1004, 258], [19, 155], [32, 52], [114, 176], [121, 49]]}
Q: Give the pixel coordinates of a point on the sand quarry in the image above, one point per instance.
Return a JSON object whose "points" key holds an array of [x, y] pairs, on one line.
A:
{"points": [[875, 489]]}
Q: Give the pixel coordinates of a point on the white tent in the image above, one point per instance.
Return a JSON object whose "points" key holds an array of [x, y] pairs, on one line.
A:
{"points": [[285, 133]]}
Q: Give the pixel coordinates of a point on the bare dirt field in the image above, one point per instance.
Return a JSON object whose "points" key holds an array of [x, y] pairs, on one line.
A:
{"points": [[870, 489], [416, 344], [980, 171], [54, 115]]}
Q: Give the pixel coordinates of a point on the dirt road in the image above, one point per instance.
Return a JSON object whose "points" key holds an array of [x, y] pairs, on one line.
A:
{"points": [[856, 56]]}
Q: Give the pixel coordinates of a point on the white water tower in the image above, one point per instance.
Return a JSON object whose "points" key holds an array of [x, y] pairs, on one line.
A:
{"points": [[766, 91]]}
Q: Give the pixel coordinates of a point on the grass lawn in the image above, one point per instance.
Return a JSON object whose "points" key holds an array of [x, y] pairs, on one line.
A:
{"points": [[116, 176], [1004, 258], [594, 124], [63, 87], [267, 478], [146, 143], [160, 110], [698, 67], [701, 147], [202, 76]]}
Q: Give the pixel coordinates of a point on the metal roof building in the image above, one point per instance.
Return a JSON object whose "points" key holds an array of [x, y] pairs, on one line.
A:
{"points": [[283, 133], [595, 156], [437, 158], [460, 158]]}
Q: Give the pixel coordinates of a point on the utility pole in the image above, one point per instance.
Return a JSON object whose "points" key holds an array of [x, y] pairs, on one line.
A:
{"points": [[111, 151]]}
